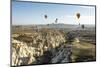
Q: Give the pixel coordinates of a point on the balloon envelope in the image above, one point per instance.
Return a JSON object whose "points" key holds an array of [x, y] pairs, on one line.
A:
{"points": [[45, 16], [78, 15], [56, 20]]}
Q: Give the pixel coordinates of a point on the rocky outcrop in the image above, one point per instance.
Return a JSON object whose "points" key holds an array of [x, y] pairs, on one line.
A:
{"points": [[39, 47], [46, 46], [22, 54]]}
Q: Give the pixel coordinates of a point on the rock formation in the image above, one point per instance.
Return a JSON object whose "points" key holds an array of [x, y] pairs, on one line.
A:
{"points": [[31, 48]]}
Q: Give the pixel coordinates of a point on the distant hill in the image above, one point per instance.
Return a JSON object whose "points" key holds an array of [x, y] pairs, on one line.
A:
{"points": [[65, 26], [56, 26]]}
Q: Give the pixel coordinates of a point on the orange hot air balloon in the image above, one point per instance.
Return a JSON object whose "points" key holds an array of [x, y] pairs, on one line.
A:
{"points": [[78, 15]]}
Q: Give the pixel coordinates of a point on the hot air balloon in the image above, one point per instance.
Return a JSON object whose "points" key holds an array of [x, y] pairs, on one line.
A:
{"points": [[45, 16], [78, 17], [83, 26], [56, 20]]}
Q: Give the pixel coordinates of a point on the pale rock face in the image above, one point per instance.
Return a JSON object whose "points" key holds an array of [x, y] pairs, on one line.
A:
{"points": [[45, 48], [77, 40], [21, 52], [14, 57], [24, 53]]}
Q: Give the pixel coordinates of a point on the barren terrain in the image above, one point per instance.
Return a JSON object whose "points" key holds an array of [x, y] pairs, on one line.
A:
{"points": [[47, 44]]}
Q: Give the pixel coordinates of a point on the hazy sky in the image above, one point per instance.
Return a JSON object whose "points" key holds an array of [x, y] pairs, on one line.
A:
{"points": [[33, 13]]}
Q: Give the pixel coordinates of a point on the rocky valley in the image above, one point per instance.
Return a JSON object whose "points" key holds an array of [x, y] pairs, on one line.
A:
{"points": [[32, 46]]}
